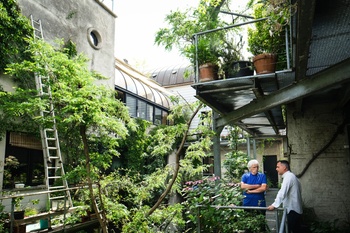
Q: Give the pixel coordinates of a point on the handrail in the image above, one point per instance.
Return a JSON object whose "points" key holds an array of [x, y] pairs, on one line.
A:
{"points": [[13, 197], [279, 229]]}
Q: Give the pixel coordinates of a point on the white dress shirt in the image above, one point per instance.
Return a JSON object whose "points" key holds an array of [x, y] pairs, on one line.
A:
{"points": [[289, 194]]}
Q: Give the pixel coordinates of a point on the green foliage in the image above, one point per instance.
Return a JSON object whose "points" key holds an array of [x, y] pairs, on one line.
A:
{"points": [[183, 25], [132, 150], [14, 29], [4, 219], [78, 101], [212, 192], [236, 165], [268, 36], [20, 106], [128, 202], [236, 160], [260, 38]]}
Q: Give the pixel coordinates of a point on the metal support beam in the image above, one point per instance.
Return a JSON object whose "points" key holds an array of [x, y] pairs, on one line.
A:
{"points": [[336, 75], [216, 146]]}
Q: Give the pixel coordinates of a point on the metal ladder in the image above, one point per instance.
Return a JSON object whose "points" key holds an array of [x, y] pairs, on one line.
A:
{"points": [[54, 172]]}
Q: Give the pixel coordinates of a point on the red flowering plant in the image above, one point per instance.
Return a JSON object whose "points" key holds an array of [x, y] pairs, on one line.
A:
{"points": [[201, 199]]}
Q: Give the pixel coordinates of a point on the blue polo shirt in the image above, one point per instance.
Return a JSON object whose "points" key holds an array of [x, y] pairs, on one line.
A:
{"points": [[254, 199]]}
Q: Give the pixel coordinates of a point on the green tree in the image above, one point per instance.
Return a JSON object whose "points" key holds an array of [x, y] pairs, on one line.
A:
{"points": [[81, 106], [14, 28]]}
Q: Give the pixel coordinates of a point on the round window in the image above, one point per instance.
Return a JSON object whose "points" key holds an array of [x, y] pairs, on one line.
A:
{"points": [[94, 38]]}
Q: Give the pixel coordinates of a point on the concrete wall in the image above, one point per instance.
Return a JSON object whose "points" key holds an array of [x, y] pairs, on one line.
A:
{"points": [[325, 185], [71, 19]]}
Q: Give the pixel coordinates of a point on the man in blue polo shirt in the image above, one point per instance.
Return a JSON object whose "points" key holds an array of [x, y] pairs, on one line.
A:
{"points": [[254, 185]]}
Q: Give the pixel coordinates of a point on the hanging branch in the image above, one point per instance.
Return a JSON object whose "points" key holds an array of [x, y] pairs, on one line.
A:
{"points": [[315, 156], [177, 163]]}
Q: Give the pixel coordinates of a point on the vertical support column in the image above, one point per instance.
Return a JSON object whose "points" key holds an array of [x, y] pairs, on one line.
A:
{"points": [[254, 148], [216, 146], [248, 147]]}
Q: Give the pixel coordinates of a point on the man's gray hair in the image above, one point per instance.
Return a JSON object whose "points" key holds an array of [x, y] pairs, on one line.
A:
{"points": [[253, 162]]}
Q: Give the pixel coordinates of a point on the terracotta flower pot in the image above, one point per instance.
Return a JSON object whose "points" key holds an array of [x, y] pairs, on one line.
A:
{"points": [[208, 72], [265, 63]]}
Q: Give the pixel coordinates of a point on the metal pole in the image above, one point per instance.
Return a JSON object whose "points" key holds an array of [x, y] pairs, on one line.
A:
{"points": [[283, 225], [254, 148], [12, 213], [196, 76], [287, 49], [228, 27], [248, 147], [277, 221], [216, 146], [198, 220]]}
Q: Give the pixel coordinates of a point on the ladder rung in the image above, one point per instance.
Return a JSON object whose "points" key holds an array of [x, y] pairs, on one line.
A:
{"points": [[53, 158], [51, 139], [54, 177], [57, 198], [52, 148], [54, 167]]}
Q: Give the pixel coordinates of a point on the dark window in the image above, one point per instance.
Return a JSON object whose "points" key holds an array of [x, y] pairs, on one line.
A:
{"points": [[30, 170], [157, 116], [94, 39]]}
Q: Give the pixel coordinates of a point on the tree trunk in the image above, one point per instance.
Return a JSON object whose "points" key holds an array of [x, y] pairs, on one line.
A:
{"points": [[101, 216]]}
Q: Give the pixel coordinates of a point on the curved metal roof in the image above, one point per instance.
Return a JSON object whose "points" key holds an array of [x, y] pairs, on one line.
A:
{"points": [[175, 75], [135, 82]]}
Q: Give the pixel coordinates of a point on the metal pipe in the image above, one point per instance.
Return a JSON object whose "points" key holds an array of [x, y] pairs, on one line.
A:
{"points": [[196, 76], [283, 225], [287, 49], [231, 13], [228, 27], [248, 147]]}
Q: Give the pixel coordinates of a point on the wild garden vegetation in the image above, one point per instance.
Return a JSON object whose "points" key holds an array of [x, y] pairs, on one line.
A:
{"points": [[123, 161]]}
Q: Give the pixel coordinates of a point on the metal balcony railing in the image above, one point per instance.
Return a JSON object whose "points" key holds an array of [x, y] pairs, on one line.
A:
{"points": [[61, 209], [281, 225]]}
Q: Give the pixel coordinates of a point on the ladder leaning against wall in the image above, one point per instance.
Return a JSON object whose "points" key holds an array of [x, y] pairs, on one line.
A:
{"points": [[54, 172]]}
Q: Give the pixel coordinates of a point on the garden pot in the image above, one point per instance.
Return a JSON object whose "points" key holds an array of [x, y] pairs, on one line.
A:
{"points": [[208, 72], [239, 69], [18, 214], [265, 63], [44, 223]]}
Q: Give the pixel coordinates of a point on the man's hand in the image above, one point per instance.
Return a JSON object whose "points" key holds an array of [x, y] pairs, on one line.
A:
{"points": [[271, 207]]}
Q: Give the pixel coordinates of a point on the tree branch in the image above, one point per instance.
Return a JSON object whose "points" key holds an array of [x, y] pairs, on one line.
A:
{"points": [[177, 164]]}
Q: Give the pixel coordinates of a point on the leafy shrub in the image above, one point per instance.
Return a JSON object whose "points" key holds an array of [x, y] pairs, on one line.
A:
{"points": [[202, 198]]}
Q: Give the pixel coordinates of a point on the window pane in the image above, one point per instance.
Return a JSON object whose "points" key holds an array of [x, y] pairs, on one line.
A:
{"points": [[164, 118], [141, 109], [131, 104], [158, 116], [150, 112]]}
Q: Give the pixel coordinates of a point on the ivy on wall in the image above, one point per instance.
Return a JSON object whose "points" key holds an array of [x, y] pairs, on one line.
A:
{"points": [[15, 28]]}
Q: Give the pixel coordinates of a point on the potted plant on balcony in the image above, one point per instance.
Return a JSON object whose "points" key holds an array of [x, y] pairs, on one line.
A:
{"points": [[267, 40], [185, 24], [206, 54], [232, 62]]}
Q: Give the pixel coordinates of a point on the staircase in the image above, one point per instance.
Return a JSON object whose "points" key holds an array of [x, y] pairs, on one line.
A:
{"points": [[54, 173]]}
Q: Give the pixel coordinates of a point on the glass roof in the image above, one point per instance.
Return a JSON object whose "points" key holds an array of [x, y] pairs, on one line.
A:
{"points": [[133, 81]]}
